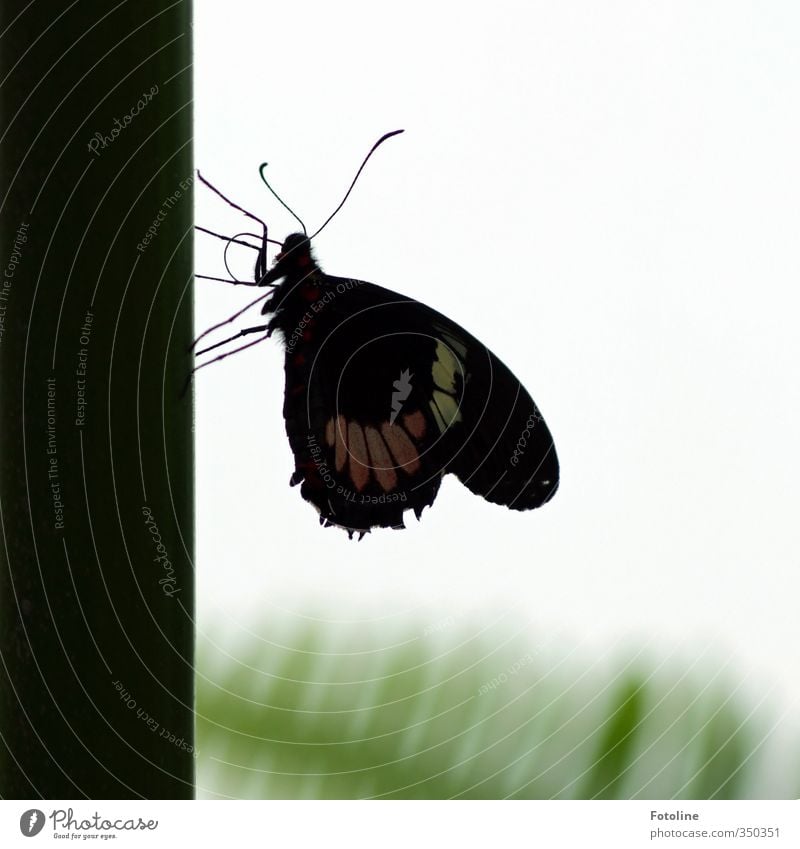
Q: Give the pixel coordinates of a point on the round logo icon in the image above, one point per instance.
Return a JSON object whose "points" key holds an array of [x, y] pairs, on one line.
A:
{"points": [[31, 822]]}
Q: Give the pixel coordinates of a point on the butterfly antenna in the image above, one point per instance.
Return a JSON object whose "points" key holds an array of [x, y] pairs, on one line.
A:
{"points": [[261, 260], [233, 239], [374, 147], [279, 198], [229, 201]]}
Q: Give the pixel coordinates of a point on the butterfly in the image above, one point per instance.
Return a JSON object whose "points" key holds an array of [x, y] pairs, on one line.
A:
{"points": [[385, 396]]}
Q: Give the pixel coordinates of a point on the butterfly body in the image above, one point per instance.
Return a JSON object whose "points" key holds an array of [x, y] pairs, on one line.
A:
{"points": [[384, 396]]}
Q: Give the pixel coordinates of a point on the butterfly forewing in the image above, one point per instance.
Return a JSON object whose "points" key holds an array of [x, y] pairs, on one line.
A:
{"points": [[504, 451]]}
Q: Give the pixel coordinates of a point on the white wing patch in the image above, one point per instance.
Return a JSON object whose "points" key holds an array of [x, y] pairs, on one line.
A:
{"points": [[446, 367], [445, 409]]}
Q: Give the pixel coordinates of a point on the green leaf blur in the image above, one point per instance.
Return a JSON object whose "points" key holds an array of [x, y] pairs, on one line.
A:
{"points": [[346, 711]]}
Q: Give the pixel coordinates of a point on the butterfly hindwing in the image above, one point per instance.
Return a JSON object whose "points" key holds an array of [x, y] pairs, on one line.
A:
{"points": [[366, 445]]}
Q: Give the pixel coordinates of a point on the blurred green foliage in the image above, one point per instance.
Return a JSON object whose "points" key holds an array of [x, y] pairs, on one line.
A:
{"points": [[309, 712]]}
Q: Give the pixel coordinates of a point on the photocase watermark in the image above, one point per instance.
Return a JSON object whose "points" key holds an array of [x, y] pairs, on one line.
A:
{"points": [[362, 498], [327, 297], [318, 456], [10, 270], [152, 230], [168, 581], [515, 668], [297, 334], [402, 389], [503, 677], [53, 478], [329, 481], [151, 722], [67, 826], [522, 443], [31, 822], [80, 371], [101, 142], [438, 627]]}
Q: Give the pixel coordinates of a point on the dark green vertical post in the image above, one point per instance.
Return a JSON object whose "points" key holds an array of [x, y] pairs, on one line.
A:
{"points": [[96, 524]]}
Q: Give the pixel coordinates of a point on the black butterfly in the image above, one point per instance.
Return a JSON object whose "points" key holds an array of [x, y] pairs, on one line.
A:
{"points": [[384, 396]]}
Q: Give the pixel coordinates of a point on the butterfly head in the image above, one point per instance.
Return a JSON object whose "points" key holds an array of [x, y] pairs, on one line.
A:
{"points": [[293, 259]]}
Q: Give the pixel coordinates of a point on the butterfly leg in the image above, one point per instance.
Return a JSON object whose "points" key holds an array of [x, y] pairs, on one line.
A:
{"points": [[227, 321], [245, 332]]}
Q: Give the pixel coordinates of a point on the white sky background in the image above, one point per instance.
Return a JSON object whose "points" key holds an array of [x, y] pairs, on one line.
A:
{"points": [[606, 194]]}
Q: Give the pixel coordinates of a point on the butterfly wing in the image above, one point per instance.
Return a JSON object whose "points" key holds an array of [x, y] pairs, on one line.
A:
{"points": [[501, 448], [385, 396]]}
